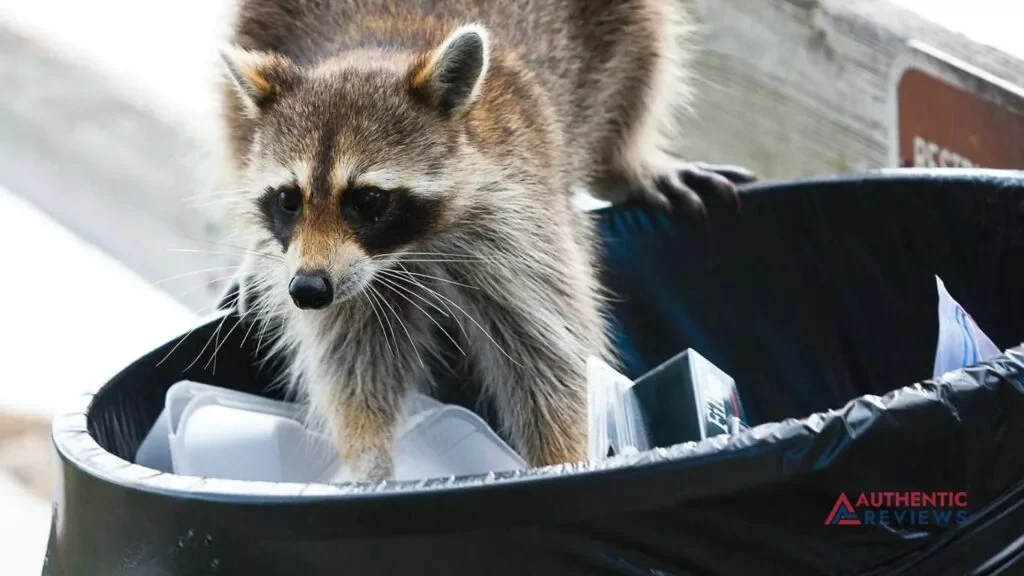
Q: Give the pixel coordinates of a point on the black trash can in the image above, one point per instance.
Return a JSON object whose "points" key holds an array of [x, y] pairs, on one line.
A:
{"points": [[819, 299]]}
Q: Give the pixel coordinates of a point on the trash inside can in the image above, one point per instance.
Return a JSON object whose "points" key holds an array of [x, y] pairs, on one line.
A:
{"points": [[819, 300]]}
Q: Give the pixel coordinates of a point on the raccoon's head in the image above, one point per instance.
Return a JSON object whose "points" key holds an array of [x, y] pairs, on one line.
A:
{"points": [[355, 160]]}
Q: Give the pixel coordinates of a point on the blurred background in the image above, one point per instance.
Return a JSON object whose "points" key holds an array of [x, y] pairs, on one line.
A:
{"points": [[109, 143]]}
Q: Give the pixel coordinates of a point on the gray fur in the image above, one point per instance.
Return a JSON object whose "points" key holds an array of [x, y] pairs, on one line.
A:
{"points": [[572, 92]]}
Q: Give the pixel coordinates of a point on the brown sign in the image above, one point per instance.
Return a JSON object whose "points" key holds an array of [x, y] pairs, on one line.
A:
{"points": [[944, 125]]}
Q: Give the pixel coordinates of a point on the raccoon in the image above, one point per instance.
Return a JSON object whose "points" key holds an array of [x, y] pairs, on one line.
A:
{"points": [[404, 172]]}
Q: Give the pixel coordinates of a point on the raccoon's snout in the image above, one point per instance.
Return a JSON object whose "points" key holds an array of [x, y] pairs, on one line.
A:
{"points": [[311, 291], [348, 286]]}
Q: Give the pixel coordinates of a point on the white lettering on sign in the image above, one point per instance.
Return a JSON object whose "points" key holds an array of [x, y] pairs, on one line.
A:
{"points": [[717, 414], [931, 155]]}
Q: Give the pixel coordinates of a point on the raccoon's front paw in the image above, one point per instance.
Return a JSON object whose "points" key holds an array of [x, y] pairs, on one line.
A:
{"points": [[689, 186]]}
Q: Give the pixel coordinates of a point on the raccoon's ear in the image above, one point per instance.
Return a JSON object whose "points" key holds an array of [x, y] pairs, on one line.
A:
{"points": [[259, 77], [453, 75]]}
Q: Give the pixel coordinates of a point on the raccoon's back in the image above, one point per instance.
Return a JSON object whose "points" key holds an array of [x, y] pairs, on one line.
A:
{"points": [[547, 31], [567, 44]]}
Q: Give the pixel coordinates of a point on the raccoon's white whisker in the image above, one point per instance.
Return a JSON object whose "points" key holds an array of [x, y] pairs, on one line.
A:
{"points": [[429, 256], [379, 321], [439, 261], [177, 345], [234, 247], [407, 333], [391, 285], [217, 344], [205, 284], [427, 253], [390, 274], [445, 280], [208, 341], [255, 312], [259, 340], [270, 309], [261, 302], [217, 348], [239, 254], [432, 292], [193, 273], [208, 282], [252, 324], [477, 324], [253, 285], [380, 301], [444, 254], [457, 257]]}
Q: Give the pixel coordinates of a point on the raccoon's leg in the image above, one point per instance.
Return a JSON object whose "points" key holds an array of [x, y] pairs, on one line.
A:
{"points": [[539, 390], [636, 159], [361, 365], [530, 347], [362, 426]]}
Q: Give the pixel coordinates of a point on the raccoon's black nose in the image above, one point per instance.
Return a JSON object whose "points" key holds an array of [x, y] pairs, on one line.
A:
{"points": [[311, 291]]}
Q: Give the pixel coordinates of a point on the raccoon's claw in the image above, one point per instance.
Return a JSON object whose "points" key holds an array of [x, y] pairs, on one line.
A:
{"points": [[734, 174], [691, 186]]}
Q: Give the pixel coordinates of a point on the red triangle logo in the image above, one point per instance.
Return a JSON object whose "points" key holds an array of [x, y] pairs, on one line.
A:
{"points": [[843, 513]]}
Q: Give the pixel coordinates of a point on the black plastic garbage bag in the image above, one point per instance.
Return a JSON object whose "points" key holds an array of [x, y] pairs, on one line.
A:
{"points": [[819, 299]]}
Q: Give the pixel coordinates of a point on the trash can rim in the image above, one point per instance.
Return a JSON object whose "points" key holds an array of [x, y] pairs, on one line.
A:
{"points": [[79, 449], [969, 175]]}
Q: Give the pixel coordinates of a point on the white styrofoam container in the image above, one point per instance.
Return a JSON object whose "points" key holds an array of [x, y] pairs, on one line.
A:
{"points": [[214, 432]]}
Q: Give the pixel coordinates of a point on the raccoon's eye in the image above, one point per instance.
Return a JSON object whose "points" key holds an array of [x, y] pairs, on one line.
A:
{"points": [[365, 203], [289, 200]]}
